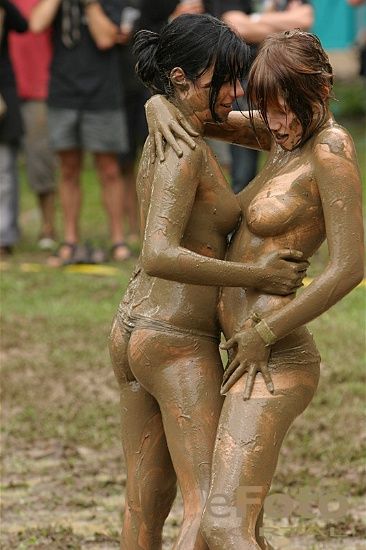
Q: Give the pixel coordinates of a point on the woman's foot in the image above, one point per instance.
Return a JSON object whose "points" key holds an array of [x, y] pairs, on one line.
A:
{"points": [[120, 252]]}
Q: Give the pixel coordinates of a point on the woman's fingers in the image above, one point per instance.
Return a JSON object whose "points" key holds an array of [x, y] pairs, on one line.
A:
{"points": [[237, 374], [290, 254], [170, 139], [188, 128], [229, 343], [230, 369], [180, 132], [267, 377], [252, 372], [159, 146], [152, 150], [301, 267]]}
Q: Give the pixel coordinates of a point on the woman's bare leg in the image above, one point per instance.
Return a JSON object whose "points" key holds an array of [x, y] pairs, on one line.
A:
{"points": [[248, 442], [184, 375], [151, 480]]}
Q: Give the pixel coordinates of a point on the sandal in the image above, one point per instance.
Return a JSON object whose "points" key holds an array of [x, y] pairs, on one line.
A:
{"points": [[63, 256], [120, 252]]}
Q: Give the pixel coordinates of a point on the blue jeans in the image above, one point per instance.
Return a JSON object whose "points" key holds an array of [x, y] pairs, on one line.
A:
{"points": [[9, 231]]}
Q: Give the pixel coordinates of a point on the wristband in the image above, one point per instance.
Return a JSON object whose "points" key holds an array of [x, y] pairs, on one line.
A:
{"points": [[265, 333]]}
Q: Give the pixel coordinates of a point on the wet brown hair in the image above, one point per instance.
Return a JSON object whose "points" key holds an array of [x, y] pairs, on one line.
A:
{"points": [[291, 64]]}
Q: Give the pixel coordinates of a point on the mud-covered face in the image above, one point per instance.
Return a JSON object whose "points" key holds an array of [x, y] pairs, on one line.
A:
{"points": [[284, 125], [199, 95]]}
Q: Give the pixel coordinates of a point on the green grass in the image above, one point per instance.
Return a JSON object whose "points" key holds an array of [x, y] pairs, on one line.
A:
{"points": [[59, 389]]}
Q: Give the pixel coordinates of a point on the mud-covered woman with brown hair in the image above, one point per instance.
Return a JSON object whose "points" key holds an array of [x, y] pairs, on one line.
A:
{"points": [[164, 341], [309, 190]]}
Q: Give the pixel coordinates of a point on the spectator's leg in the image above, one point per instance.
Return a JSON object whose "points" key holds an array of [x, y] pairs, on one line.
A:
{"points": [[70, 192], [9, 231], [47, 208], [40, 165], [112, 192], [130, 198]]}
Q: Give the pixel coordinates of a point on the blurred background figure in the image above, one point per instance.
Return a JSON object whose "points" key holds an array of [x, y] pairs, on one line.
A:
{"points": [[10, 130], [85, 113], [31, 56], [341, 26]]}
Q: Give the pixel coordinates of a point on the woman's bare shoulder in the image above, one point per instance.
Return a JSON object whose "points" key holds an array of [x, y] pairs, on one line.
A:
{"points": [[334, 140]]}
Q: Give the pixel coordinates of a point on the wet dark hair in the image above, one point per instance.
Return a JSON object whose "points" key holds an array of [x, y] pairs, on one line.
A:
{"points": [[294, 65], [194, 43]]}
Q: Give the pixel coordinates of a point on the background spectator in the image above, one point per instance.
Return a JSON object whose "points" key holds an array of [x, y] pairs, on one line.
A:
{"points": [[85, 112], [10, 130], [31, 56], [339, 25]]}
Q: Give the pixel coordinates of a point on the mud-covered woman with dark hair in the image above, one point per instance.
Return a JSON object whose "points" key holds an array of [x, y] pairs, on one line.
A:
{"points": [[164, 341], [308, 191]]}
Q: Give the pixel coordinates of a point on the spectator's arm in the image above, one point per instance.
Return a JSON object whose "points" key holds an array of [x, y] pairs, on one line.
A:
{"points": [[104, 32], [43, 14], [296, 17], [356, 2], [252, 30], [256, 28]]}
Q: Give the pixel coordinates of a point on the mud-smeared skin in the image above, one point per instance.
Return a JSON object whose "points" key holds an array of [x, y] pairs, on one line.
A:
{"points": [[299, 198], [171, 376]]}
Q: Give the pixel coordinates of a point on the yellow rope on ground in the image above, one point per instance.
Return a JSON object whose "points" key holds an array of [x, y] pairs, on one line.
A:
{"points": [[91, 269]]}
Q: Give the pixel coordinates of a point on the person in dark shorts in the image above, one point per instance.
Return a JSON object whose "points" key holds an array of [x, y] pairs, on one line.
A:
{"points": [[85, 111]]}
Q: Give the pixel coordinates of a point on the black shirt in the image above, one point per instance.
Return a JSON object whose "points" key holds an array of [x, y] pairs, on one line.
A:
{"points": [[84, 77]]}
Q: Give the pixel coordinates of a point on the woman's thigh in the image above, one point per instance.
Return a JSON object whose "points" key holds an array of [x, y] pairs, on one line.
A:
{"points": [[251, 432], [184, 374]]}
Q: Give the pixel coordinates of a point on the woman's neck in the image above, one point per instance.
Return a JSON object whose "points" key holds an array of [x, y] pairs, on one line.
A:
{"points": [[196, 119]]}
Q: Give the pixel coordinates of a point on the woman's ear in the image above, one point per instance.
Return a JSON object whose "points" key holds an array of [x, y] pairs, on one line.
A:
{"points": [[178, 77]]}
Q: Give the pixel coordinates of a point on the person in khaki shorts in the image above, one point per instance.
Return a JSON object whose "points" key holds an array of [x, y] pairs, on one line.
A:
{"points": [[84, 111], [31, 56]]}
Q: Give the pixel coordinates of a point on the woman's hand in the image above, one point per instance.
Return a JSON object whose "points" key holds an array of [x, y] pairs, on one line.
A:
{"points": [[281, 272], [166, 122], [251, 356]]}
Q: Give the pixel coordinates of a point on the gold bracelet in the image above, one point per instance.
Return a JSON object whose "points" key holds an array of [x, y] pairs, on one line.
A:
{"points": [[267, 335]]}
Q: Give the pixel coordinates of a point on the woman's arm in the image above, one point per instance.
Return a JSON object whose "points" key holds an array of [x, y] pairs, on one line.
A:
{"points": [[163, 255], [165, 121], [237, 129], [337, 175], [43, 14]]}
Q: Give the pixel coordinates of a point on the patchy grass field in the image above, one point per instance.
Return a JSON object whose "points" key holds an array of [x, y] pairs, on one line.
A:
{"points": [[63, 476]]}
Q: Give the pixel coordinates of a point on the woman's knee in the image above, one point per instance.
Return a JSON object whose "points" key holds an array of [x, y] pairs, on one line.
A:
{"points": [[226, 531]]}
